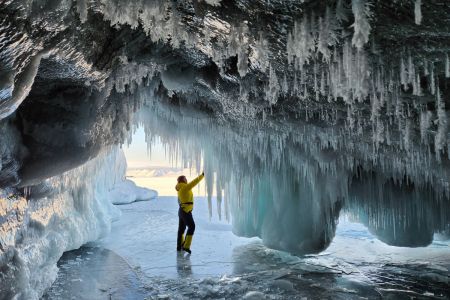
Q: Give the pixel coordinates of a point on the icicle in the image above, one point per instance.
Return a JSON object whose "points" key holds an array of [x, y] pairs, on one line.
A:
{"points": [[417, 88], [262, 52], [316, 87], [411, 70], [403, 74], [447, 66], [361, 27], [82, 10], [326, 35], [425, 123], [432, 80], [219, 199], [305, 92], [273, 88], [341, 11], [448, 149], [302, 77], [375, 107], [322, 83], [285, 86], [243, 93], [295, 88], [388, 136], [407, 135], [418, 12], [425, 68], [378, 133], [441, 134]]}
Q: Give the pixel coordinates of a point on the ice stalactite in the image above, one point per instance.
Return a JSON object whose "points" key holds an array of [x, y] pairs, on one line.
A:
{"points": [[361, 26], [447, 66], [129, 75], [425, 123], [411, 70], [261, 53], [432, 80], [328, 36], [273, 176], [396, 214], [442, 126], [403, 74], [418, 12], [347, 79], [417, 89], [301, 42], [285, 86], [342, 12], [273, 87], [82, 8], [238, 45]]}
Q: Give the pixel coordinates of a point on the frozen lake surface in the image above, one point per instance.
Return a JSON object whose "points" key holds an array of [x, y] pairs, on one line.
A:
{"points": [[138, 260]]}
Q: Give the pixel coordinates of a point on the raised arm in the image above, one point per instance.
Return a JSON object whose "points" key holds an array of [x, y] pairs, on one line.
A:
{"points": [[194, 182]]}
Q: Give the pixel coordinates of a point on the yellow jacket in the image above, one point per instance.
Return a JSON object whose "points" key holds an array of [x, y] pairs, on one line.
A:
{"points": [[185, 195]]}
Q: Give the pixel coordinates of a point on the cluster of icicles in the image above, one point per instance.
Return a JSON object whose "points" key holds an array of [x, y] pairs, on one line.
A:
{"points": [[275, 181], [325, 68]]}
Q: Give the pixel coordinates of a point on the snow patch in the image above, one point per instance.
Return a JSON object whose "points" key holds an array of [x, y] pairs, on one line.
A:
{"points": [[254, 295], [127, 192]]}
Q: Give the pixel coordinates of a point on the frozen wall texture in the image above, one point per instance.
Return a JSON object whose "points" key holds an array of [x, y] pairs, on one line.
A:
{"points": [[300, 110], [60, 214]]}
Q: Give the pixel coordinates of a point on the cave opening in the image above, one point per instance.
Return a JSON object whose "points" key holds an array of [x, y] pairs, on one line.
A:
{"points": [[321, 128]]}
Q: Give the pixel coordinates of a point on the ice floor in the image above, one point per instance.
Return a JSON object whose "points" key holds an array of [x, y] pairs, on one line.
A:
{"points": [[138, 260], [146, 237]]}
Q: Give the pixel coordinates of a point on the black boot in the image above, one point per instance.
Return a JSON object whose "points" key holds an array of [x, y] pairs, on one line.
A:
{"points": [[180, 242]]}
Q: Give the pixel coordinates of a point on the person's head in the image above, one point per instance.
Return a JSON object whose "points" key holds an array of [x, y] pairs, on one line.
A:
{"points": [[182, 179]]}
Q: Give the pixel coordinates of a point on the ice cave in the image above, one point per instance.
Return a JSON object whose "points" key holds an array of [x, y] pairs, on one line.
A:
{"points": [[321, 126]]}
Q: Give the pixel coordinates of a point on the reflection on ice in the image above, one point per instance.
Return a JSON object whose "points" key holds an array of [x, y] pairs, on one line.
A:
{"points": [[95, 273], [145, 236], [355, 265], [184, 266]]}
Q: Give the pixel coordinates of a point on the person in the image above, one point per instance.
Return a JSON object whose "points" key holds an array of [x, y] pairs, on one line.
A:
{"points": [[186, 202]]}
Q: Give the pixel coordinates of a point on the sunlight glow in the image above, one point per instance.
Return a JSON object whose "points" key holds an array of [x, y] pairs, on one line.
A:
{"points": [[154, 170]]}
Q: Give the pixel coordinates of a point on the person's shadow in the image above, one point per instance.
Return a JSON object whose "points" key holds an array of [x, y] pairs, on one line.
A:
{"points": [[184, 268]]}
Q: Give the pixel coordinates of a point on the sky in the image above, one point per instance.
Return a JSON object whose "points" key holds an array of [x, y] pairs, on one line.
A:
{"points": [[138, 156], [155, 171]]}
